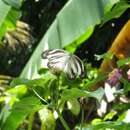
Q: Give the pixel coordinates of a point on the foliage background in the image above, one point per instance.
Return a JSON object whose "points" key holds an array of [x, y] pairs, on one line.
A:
{"points": [[82, 27]]}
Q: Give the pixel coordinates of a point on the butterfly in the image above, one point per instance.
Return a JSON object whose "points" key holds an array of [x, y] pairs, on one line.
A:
{"points": [[62, 61]]}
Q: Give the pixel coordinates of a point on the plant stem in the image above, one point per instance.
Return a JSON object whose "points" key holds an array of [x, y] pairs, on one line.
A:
{"points": [[82, 118], [39, 96], [31, 117], [63, 121]]}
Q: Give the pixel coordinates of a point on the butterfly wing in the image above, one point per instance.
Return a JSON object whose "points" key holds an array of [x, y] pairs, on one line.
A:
{"points": [[61, 61]]}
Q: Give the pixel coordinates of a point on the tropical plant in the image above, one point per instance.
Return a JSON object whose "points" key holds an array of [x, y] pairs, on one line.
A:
{"points": [[37, 95]]}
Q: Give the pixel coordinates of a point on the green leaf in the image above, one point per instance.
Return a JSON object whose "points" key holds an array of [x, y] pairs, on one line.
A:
{"points": [[72, 46], [104, 56], [90, 84], [125, 116], [40, 86], [20, 111], [121, 106], [109, 125], [32, 83], [110, 115], [73, 24], [123, 62], [96, 121], [4, 114], [76, 93], [17, 91], [19, 81], [14, 3], [116, 12], [8, 18], [4, 9], [43, 71], [72, 104], [122, 116], [126, 84], [47, 119]]}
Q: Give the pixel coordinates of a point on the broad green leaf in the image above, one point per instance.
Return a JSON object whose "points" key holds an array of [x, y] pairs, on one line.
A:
{"points": [[73, 24], [17, 91], [72, 46], [30, 83], [76, 93], [39, 86], [35, 82], [20, 111], [8, 17], [4, 9], [4, 114], [19, 81]]}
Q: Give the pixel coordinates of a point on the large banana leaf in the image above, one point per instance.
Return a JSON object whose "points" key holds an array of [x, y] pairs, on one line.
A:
{"points": [[73, 24], [9, 14]]}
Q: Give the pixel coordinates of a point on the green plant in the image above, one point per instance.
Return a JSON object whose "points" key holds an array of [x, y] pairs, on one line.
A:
{"points": [[55, 92], [44, 94]]}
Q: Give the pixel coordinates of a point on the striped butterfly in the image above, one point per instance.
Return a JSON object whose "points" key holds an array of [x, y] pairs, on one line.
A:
{"points": [[62, 61]]}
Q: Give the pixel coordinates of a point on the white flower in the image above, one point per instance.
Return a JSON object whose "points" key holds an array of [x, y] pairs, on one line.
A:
{"points": [[62, 61]]}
